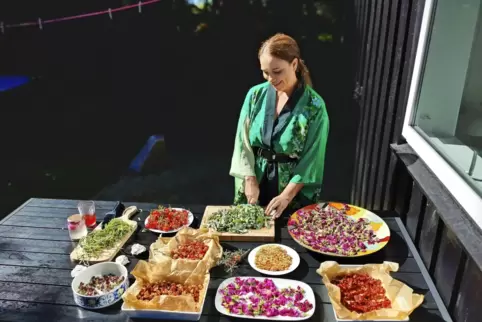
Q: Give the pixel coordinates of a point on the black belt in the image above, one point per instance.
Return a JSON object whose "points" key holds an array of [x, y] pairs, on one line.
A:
{"points": [[270, 156]]}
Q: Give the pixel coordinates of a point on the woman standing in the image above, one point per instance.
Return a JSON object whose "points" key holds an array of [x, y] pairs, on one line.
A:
{"points": [[279, 151]]}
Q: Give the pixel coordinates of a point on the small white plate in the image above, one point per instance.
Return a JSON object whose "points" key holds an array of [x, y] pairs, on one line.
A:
{"points": [[291, 252], [348, 320], [280, 283], [190, 219]]}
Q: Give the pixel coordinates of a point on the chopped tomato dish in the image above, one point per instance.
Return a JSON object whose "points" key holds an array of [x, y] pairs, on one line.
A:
{"points": [[167, 219], [361, 293], [192, 249]]}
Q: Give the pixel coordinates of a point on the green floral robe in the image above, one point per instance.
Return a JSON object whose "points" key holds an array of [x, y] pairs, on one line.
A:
{"points": [[301, 131]]}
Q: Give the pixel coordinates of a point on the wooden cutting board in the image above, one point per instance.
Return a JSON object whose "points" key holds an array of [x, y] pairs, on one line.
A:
{"points": [[260, 235], [109, 254]]}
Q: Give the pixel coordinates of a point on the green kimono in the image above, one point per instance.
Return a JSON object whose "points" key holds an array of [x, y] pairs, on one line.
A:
{"points": [[300, 132]]}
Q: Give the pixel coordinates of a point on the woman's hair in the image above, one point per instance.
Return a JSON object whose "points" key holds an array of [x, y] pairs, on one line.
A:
{"points": [[284, 47]]}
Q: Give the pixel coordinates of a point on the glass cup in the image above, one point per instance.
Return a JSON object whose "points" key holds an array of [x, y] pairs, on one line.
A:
{"points": [[87, 210]]}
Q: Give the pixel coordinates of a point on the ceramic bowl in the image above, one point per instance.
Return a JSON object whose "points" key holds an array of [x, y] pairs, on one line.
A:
{"points": [[104, 300]]}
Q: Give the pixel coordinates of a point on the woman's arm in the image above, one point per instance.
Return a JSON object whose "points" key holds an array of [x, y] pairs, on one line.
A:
{"points": [[291, 190], [242, 161]]}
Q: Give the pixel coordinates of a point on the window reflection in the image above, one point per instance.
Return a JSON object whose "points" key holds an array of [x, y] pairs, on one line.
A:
{"points": [[449, 111]]}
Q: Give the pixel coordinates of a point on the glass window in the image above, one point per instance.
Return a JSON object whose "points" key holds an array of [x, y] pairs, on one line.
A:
{"points": [[449, 107]]}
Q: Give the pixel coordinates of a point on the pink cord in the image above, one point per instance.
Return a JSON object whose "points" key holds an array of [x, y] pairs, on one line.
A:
{"points": [[85, 15]]}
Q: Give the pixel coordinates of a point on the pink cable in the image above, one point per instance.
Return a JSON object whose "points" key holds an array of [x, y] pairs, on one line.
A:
{"points": [[85, 15]]}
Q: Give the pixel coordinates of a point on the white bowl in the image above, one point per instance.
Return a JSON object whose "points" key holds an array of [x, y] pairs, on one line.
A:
{"points": [[190, 218], [291, 252], [100, 301]]}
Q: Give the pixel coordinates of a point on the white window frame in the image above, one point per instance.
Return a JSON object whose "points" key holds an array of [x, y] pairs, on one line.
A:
{"points": [[465, 195]]}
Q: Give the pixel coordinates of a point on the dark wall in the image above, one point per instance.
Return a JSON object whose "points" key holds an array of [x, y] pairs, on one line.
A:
{"points": [[177, 70], [387, 37]]}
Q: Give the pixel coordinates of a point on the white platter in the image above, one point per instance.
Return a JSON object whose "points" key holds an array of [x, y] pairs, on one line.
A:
{"points": [[347, 320], [190, 219], [280, 283], [291, 252]]}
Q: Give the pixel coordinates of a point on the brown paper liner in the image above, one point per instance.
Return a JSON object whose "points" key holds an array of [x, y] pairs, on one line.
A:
{"points": [[146, 273], [159, 252], [404, 301]]}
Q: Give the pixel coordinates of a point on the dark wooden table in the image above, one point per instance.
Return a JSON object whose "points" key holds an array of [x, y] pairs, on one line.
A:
{"points": [[35, 266]]}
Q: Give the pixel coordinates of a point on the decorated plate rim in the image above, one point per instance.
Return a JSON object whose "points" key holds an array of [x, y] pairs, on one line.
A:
{"points": [[326, 203]]}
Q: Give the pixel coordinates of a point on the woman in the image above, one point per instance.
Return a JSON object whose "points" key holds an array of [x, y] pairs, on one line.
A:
{"points": [[279, 151]]}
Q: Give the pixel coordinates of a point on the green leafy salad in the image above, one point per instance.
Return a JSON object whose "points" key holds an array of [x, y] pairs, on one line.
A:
{"points": [[239, 219]]}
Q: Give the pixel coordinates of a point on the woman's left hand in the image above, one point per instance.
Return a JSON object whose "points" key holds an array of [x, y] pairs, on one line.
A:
{"points": [[277, 205]]}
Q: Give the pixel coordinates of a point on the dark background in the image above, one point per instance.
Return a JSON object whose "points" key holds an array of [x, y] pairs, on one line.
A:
{"points": [[100, 88]]}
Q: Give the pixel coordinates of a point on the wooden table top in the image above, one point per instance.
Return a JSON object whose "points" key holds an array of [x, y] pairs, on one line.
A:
{"points": [[35, 266]]}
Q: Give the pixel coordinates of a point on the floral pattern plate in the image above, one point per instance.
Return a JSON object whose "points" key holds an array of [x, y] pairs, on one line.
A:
{"points": [[377, 224]]}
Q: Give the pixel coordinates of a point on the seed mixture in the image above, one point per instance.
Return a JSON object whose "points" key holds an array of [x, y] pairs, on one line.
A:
{"points": [[99, 285]]}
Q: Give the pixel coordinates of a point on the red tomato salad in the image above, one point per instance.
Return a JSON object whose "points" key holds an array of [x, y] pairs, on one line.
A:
{"points": [[167, 219]]}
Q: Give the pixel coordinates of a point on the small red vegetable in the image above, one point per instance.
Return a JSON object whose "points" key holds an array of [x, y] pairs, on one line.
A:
{"points": [[361, 293], [167, 219]]}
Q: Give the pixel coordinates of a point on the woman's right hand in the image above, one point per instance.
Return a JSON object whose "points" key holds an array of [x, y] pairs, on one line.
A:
{"points": [[251, 190]]}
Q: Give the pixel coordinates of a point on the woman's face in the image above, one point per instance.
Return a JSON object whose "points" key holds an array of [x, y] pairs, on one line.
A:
{"points": [[280, 73]]}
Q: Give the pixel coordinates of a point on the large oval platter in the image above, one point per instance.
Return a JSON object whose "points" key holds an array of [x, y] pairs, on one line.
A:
{"points": [[379, 227]]}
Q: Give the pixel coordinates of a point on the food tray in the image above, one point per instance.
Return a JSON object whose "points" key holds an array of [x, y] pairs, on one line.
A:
{"points": [[279, 282], [260, 235], [378, 225], [347, 320], [164, 314]]}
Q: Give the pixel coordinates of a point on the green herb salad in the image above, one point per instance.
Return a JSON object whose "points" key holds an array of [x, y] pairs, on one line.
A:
{"points": [[239, 219]]}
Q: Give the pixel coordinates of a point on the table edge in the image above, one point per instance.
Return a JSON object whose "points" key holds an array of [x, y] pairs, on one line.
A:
{"points": [[7, 217], [431, 286]]}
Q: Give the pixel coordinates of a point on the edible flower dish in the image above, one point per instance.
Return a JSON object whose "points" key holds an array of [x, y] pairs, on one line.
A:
{"points": [[338, 231], [276, 299]]}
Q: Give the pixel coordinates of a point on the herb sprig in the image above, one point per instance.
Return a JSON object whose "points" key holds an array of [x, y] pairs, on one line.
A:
{"points": [[231, 259]]}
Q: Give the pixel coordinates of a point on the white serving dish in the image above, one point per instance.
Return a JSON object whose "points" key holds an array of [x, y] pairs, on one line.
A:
{"points": [[280, 283], [164, 314], [338, 319], [190, 218], [291, 252], [100, 301]]}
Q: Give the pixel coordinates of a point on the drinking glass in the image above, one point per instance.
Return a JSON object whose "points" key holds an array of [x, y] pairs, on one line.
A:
{"points": [[87, 210]]}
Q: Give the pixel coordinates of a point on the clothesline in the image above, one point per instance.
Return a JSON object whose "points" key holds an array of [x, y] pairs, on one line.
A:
{"points": [[40, 23]]}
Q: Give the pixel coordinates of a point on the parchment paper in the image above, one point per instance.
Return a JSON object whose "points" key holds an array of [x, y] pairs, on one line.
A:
{"points": [[145, 273], [404, 301], [160, 252]]}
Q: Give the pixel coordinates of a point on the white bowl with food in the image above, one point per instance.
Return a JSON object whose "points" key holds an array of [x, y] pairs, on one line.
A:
{"points": [[157, 215], [100, 285], [274, 299], [274, 259]]}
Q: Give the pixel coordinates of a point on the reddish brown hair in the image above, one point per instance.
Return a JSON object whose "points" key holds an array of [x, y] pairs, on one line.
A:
{"points": [[284, 47]]}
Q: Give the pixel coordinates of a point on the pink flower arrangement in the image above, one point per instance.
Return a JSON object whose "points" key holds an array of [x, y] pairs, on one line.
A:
{"points": [[249, 296], [331, 231]]}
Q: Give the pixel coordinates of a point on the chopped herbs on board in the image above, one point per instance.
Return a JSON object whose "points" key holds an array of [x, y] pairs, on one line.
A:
{"points": [[100, 240], [239, 219]]}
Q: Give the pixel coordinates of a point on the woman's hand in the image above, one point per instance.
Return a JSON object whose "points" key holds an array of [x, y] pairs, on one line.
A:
{"points": [[251, 190], [277, 205]]}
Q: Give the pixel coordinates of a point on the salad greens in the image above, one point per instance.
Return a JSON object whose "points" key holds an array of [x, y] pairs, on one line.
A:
{"points": [[239, 219]]}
